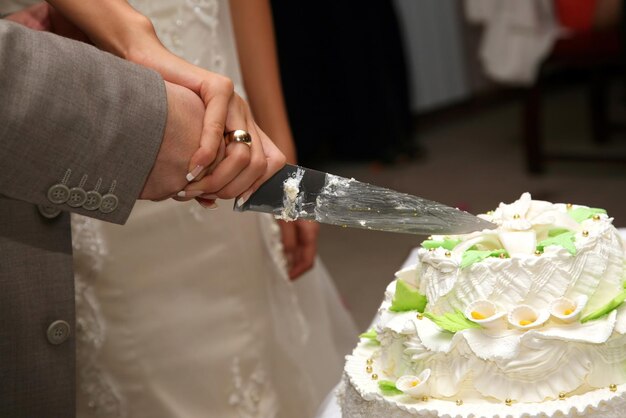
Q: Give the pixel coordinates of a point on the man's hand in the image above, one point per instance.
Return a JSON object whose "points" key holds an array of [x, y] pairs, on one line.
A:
{"points": [[300, 245], [185, 112]]}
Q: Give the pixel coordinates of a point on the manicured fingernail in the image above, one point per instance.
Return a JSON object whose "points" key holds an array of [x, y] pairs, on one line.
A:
{"points": [[207, 204], [209, 196], [183, 193], [243, 199], [194, 173]]}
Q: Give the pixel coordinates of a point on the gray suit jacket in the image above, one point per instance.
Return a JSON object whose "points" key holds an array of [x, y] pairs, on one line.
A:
{"points": [[66, 110]]}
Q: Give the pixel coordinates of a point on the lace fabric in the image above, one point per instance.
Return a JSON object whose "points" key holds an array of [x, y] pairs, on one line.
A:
{"points": [[253, 396], [96, 386]]}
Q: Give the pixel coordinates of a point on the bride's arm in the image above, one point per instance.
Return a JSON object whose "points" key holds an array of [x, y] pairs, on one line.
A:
{"points": [[252, 21], [113, 25], [254, 33]]}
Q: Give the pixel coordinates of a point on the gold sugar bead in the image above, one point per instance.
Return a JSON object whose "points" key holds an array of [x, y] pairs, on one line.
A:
{"points": [[459, 402], [596, 217], [448, 254], [424, 398], [420, 316], [569, 205], [369, 369], [502, 255], [374, 376], [490, 212], [538, 253], [431, 250], [585, 233], [613, 387], [562, 395], [369, 361], [508, 401], [516, 216]]}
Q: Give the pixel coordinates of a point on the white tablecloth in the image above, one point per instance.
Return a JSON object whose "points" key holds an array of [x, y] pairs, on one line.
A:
{"points": [[330, 408]]}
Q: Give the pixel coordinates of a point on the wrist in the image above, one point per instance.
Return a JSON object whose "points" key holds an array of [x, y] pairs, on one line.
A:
{"points": [[136, 39]]}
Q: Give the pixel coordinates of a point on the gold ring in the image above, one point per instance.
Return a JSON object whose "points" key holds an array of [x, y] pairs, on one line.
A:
{"points": [[238, 135]]}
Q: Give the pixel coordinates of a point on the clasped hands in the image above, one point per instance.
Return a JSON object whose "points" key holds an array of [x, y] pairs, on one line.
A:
{"points": [[193, 161]]}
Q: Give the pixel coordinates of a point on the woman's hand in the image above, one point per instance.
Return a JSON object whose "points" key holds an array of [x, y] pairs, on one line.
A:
{"points": [[300, 245], [243, 168]]}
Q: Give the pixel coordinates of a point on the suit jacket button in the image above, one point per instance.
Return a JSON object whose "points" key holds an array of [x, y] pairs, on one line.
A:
{"points": [[93, 200], [49, 211], [59, 193], [109, 203], [58, 332], [77, 197]]}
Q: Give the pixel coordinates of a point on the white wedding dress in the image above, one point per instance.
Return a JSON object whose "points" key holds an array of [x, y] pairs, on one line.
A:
{"points": [[185, 312]]}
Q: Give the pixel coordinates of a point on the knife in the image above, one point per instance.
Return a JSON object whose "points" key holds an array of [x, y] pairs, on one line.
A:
{"points": [[296, 192]]}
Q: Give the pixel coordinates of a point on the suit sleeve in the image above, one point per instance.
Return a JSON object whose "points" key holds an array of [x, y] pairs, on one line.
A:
{"points": [[73, 115]]}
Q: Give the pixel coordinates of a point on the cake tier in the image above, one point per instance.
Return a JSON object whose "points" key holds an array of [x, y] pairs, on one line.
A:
{"points": [[539, 253], [529, 365], [360, 397]]}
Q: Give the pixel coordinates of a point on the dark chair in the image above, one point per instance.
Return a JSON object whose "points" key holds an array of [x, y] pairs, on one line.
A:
{"points": [[599, 57]]}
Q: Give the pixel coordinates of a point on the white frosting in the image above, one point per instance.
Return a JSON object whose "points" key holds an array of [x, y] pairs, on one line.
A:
{"points": [[291, 197], [595, 270], [359, 397], [531, 345]]}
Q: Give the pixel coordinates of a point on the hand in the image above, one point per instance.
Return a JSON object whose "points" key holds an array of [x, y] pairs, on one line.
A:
{"points": [[118, 28], [300, 245], [35, 17], [180, 140], [43, 17], [243, 168]]}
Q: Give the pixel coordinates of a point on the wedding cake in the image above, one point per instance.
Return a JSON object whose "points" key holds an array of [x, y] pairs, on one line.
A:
{"points": [[525, 320]]}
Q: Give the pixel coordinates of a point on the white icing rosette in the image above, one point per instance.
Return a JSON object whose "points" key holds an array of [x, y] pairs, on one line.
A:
{"points": [[526, 317], [568, 310], [526, 214], [485, 313], [410, 274], [415, 386]]}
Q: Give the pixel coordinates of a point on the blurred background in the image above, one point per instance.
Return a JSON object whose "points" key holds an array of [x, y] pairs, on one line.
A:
{"points": [[469, 103]]}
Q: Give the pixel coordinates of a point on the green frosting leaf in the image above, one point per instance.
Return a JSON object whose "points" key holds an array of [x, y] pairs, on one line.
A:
{"points": [[387, 387], [452, 321], [557, 231], [606, 309], [407, 298], [448, 244], [582, 214], [370, 335], [474, 256], [565, 240]]}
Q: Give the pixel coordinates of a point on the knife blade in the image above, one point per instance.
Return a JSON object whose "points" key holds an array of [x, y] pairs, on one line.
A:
{"points": [[296, 192]]}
